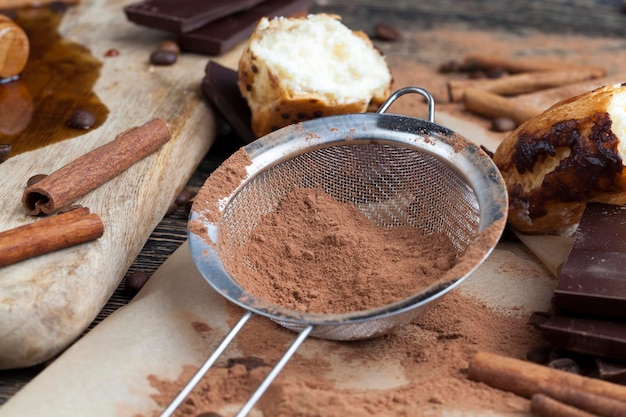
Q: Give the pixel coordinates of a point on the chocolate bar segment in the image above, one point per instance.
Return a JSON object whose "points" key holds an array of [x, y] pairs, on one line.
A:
{"points": [[592, 281], [220, 36], [219, 86], [600, 338], [180, 16]]}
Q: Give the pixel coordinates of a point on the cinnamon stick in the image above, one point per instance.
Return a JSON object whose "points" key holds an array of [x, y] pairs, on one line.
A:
{"points": [[521, 83], [583, 400], [494, 106], [94, 168], [544, 406], [525, 378], [518, 65], [49, 234]]}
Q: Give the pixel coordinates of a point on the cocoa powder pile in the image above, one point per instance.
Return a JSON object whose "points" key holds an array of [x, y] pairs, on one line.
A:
{"points": [[318, 255]]}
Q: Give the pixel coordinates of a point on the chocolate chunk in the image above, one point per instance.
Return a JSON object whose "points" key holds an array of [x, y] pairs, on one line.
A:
{"points": [[222, 35], [219, 86], [81, 119], [600, 338], [592, 281], [182, 16]]}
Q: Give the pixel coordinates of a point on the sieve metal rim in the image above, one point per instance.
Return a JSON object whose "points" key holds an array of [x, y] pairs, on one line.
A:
{"points": [[469, 160]]}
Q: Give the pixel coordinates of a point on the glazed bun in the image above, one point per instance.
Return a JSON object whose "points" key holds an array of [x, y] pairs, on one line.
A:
{"points": [[571, 154], [295, 69]]}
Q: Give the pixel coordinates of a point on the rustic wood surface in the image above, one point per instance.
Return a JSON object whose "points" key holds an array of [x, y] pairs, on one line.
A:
{"points": [[592, 18]]}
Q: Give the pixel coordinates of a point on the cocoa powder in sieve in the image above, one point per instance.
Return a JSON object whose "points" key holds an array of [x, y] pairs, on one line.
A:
{"points": [[318, 255]]}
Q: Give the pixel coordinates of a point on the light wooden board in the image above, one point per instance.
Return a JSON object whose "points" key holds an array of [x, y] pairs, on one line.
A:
{"points": [[46, 302]]}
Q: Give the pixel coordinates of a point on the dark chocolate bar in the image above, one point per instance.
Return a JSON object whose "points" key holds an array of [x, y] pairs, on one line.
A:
{"points": [[600, 338], [220, 36], [592, 281], [219, 86], [182, 16]]}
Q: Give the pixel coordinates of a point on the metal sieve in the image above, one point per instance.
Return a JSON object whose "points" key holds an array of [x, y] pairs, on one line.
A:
{"points": [[397, 170]]}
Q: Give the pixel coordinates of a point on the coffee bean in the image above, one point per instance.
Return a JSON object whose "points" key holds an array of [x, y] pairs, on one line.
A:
{"points": [[170, 46], [163, 58], [208, 414], [135, 281], [386, 32], [81, 119], [35, 179], [565, 364], [5, 151], [503, 124]]}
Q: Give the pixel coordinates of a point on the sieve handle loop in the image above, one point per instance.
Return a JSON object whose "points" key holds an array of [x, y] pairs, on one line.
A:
{"points": [[406, 90]]}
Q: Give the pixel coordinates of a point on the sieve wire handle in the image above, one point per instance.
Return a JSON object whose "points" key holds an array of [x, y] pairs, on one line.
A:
{"points": [[406, 90], [247, 407]]}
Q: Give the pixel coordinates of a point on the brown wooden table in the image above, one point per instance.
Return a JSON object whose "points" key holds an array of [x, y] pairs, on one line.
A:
{"points": [[587, 17]]}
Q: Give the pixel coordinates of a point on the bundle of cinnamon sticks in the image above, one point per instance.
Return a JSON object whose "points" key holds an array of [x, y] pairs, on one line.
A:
{"points": [[57, 191], [552, 392], [491, 97]]}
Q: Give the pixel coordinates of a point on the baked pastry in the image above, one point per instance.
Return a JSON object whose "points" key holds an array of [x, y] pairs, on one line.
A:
{"points": [[571, 154], [295, 69]]}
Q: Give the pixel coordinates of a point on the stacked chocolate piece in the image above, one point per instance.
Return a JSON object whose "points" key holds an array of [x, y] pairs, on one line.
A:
{"points": [[590, 298], [210, 27]]}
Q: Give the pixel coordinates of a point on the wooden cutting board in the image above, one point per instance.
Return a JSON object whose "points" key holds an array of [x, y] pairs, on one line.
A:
{"points": [[46, 302]]}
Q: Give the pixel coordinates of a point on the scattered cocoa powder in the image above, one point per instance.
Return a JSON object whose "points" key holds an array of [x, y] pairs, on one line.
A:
{"points": [[419, 370], [318, 255]]}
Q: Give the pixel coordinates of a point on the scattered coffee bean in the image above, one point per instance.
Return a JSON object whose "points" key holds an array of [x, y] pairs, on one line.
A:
{"points": [[250, 362], [35, 179], [503, 124], [163, 58], [135, 281], [208, 414], [386, 32], [112, 52], [5, 151], [565, 364], [169, 46], [81, 119]]}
